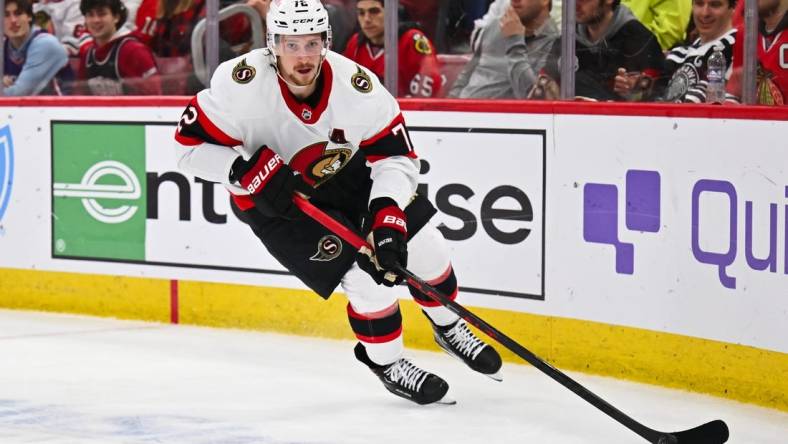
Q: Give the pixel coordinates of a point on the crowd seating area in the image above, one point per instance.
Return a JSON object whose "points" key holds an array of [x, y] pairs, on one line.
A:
{"points": [[627, 59]]}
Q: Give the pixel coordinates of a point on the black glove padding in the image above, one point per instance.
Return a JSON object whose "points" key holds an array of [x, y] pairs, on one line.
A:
{"points": [[389, 234], [380, 276], [271, 183]]}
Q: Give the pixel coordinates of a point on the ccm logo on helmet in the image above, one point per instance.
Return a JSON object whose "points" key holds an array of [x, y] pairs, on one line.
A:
{"points": [[303, 20]]}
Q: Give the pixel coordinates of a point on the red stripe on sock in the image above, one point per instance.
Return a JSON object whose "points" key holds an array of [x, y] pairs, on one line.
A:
{"points": [[440, 278], [380, 339], [374, 315]]}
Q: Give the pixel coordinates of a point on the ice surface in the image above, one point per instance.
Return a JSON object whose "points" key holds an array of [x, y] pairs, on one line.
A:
{"points": [[75, 379]]}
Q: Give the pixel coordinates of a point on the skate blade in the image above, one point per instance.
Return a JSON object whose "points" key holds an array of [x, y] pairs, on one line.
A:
{"points": [[497, 376], [446, 401]]}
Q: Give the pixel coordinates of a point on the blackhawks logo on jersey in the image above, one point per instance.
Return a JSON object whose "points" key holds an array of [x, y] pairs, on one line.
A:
{"points": [[683, 79], [768, 91], [361, 81], [243, 73], [421, 44]]}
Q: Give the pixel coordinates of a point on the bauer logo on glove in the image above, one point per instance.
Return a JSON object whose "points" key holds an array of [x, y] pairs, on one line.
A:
{"points": [[394, 220], [388, 237], [261, 176], [270, 182]]}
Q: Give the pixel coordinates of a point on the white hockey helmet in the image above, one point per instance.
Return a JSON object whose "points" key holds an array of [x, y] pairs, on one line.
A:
{"points": [[297, 17]]}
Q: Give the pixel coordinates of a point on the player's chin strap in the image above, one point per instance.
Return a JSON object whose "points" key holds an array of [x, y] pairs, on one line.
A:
{"points": [[714, 432]]}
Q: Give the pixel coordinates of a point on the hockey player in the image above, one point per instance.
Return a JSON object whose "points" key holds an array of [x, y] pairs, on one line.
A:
{"points": [[297, 117]]}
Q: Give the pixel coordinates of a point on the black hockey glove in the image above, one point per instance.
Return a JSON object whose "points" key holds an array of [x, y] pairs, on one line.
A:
{"points": [[389, 242], [271, 182], [369, 264]]}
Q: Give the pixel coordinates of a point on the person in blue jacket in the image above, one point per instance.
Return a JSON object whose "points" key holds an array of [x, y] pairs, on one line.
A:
{"points": [[35, 62]]}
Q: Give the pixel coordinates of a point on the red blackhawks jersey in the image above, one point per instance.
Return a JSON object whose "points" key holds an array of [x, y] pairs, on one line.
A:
{"points": [[248, 106], [419, 75], [772, 70]]}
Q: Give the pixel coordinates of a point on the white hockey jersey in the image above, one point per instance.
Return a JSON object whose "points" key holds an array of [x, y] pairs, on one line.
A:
{"points": [[248, 106]]}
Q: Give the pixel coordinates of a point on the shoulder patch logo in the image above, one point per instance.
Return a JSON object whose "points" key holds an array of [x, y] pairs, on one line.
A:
{"points": [[421, 44], [361, 81], [243, 73]]}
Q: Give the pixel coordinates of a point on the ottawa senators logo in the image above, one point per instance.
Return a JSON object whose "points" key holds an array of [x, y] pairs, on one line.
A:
{"points": [[361, 81], [317, 163], [332, 161], [328, 248], [421, 44], [243, 73]]}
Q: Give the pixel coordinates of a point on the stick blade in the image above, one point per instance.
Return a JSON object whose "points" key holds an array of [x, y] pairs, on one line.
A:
{"points": [[714, 432]]}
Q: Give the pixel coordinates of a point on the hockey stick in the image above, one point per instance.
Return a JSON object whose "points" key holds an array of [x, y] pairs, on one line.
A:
{"points": [[714, 432]]}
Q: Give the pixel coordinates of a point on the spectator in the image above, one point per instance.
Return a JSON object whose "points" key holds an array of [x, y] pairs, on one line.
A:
{"points": [[160, 20], [610, 40], [426, 11], [145, 20], [495, 12], [772, 71], [63, 19], [510, 53], [34, 61], [666, 19], [114, 61], [418, 72], [167, 25], [686, 65], [448, 23]]}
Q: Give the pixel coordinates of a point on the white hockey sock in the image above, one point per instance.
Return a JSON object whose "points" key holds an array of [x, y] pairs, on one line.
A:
{"points": [[385, 353], [440, 315]]}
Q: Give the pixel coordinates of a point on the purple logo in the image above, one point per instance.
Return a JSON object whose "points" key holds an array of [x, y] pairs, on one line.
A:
{"points": [[722, 260], [600, 213]]}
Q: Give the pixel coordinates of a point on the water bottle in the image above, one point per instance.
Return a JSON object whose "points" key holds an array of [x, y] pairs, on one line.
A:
{"points": [[715, 76]]}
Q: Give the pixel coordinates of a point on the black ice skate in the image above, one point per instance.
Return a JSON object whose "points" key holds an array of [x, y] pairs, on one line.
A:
{"points": [[459, 341], [406, 380]]}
